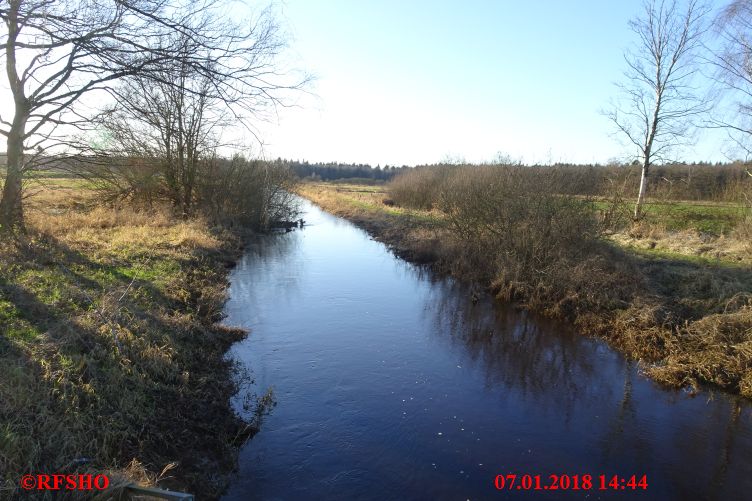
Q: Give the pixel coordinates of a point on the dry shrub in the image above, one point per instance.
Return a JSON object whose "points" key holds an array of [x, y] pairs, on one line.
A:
{"points": [[419, 188], [514, 228], [248, 192], [515, 221], [727, 183], [511, 227], [739, 189], [235, 191]]}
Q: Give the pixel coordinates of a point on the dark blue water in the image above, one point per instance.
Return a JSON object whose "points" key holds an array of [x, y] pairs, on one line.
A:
{"points": [[391, 383]]}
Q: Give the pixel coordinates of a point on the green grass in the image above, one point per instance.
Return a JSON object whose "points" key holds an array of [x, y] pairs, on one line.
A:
{"points": [[16, 328], [47, 284], [680, 257], [713, 219], [706, 217]]}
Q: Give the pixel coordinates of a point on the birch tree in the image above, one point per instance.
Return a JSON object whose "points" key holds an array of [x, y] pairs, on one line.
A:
{"points": [[658, 100]]}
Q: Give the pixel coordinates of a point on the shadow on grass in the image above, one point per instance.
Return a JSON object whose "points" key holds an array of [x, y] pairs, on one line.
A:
{"points": [[77, 400]]}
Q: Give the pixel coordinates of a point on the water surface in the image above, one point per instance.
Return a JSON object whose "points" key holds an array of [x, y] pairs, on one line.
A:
{"points": [[391, 383]]}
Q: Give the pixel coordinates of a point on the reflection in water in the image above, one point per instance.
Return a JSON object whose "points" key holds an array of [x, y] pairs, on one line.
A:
{"points": [[392, 384], [515, 350]]}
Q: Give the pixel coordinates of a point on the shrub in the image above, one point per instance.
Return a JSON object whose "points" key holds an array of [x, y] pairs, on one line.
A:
{"points": [[251, 193], [516, 218], [419, 188]]}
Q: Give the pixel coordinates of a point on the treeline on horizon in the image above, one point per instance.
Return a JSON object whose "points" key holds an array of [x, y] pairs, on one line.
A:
{"points": [[719, 181], [332, 171]]}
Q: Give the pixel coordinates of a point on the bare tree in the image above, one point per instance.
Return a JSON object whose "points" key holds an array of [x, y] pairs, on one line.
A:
{"points": [[58, 51], [171, 128], [734, 62], [659, 101], [163, 144]]}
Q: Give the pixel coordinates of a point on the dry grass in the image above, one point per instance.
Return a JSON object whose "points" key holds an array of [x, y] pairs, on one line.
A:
{"points": [[109, 357], [743, 233], [717, 349], [685, 314], [730, 249]]}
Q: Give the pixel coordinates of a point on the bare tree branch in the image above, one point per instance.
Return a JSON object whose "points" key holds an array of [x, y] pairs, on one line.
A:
{"points": [[73, 48]]}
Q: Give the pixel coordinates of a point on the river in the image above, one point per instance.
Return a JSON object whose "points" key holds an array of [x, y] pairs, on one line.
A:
{"points": [[392, 383]]}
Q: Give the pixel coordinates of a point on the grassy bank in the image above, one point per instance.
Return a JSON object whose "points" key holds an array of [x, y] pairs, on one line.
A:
{"points": [[412, 234], [110, 359], [677, 298]]}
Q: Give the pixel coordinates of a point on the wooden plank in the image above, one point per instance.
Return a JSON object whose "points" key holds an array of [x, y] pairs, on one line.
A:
{"points": [[135, 492]]}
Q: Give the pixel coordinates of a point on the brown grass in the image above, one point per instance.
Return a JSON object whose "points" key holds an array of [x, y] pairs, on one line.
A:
{"points": [[731, 249], [110, 360], [743, 233]]}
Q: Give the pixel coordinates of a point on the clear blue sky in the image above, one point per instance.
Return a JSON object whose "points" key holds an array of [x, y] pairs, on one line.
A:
{"points": [[411, 82]]}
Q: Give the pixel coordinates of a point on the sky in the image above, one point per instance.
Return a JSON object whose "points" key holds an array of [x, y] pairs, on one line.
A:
{"points": [[415, 82]]}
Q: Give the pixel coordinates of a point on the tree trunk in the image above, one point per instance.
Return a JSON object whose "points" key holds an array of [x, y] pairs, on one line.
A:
{"points": [[646, 158], [11, 209], [643, 189]]}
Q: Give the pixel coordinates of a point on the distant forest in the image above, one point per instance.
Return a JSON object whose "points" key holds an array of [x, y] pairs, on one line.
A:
{"points": [[333, 170], [673, 177]]}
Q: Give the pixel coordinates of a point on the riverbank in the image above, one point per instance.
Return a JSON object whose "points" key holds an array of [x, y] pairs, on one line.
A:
{"points": [[110, 358], [686, 317]]}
